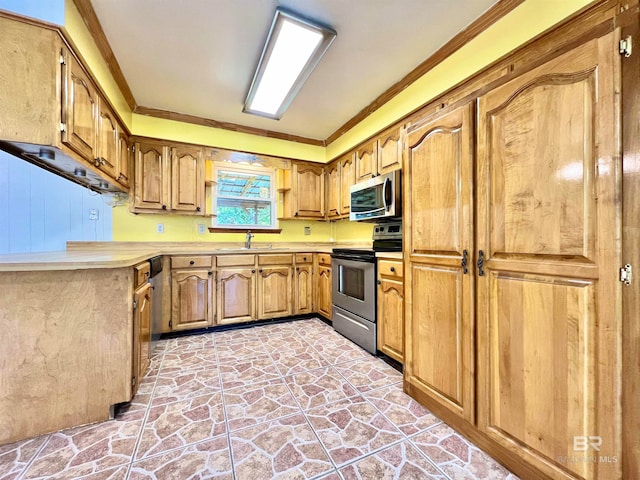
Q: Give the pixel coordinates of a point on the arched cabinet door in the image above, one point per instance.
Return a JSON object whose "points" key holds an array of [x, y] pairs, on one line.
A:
{"points": [[439, 279], [549, 308], [192, 299], [236, 295], [275, 288]]}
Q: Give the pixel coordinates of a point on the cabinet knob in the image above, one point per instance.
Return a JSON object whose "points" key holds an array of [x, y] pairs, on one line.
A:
{"points": [[164, 207], [295, 214], [378, 282], [393, 269], [260, 270], [253, 271], [304, 258], [191, 262], [197, 209]]}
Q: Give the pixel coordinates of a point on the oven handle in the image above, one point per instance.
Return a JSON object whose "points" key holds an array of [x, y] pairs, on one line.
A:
{"points": [[353, 258]]}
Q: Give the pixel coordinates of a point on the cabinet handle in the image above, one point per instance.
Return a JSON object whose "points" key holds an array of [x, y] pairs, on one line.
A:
{"points": [[192, 262], [480, 263], [463, 263], [164, 207], [393, 269]]}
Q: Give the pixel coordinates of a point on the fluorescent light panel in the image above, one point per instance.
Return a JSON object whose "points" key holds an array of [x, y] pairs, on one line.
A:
{"points": [[293, 49]]}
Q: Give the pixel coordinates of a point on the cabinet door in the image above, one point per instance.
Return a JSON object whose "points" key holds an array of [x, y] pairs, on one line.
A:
{"points": [[303, 289], [347, 178], [124, 159], [108, 142], [325, 304], [275, 288], [390, 150], [308, 190], [141, 334], [187, 180], [391, 318], [236, 295], [367, 161], [549, 295], [151, 183], [333, 190], [80, 110], [191, 299], [439, 356]]}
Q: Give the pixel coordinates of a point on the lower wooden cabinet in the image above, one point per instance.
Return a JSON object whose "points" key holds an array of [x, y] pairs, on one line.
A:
{"points": [[391, 309], [303, 289], [141, 334], [191, 299], [325, 303], [275, 291], [236, 295]]}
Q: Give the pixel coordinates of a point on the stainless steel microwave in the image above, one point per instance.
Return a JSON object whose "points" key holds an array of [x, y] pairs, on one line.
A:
{"points": [[377, 198]]}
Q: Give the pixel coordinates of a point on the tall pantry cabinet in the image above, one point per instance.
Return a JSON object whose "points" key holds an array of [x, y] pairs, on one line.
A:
{"points": [[522, 262]]}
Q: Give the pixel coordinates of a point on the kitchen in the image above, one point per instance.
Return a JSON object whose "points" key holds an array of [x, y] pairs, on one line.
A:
{"points": [[466, 369]]}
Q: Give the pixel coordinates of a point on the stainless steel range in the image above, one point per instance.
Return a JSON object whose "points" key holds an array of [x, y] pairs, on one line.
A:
{"points": [[354, 286], [354, 296]]}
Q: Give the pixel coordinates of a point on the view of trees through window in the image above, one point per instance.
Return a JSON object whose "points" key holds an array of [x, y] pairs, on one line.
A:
{"points": [[244, 198]]}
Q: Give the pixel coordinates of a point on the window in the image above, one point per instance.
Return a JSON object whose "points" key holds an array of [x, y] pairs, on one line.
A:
{"points": [[245, 197]]}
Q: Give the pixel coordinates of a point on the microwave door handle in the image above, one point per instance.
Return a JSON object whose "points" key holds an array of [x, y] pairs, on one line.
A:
{"points": [[386, 193]]}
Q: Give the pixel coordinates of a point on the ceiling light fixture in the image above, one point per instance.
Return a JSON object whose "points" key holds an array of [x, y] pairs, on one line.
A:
{"points": [[294, 47]]}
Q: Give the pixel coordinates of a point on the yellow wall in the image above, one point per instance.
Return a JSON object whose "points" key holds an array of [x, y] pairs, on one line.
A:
{"points": [[528, 20], [525, 22]]}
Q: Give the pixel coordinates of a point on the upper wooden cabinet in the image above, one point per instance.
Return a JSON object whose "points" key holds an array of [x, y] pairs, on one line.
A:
{"points": [[439, 283], [124, 159], [381, 155], [333, 190], [53, 114], [367, 161], [390, 150], [108, 144], [169, 178], [347, 179], [151, 182], [187, 179], [80, 109], [548, 217], [308, 190]]}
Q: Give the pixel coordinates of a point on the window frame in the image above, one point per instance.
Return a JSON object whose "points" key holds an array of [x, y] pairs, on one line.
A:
{"points": [[245, 169]]}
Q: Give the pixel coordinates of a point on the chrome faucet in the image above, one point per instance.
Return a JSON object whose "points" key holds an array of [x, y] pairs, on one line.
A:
{"points": [[247, 243]]}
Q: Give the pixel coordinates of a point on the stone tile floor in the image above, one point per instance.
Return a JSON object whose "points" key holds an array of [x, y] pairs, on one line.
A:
{"points": [[287, 401]]}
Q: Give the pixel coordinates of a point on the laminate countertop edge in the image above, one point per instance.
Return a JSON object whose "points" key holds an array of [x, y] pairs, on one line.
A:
{"points": [[120, 256]]}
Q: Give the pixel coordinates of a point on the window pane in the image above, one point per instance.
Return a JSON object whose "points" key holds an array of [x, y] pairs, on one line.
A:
{"points": [[246, 185], [243, 212]]}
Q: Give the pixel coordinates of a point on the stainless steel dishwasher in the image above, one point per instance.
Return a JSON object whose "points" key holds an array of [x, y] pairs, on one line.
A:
{"points": [[156, 300]]}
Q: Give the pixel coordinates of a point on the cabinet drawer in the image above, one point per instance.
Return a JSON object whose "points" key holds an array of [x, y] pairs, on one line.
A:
{"points": [[236, 260], [304, 258], [324, 259], [200, 261], [277, 259], [142, 272], [390, 268]]}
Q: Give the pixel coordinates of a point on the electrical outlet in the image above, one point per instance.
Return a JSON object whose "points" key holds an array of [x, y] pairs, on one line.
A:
{"points": [[307, 230], [93, 214], [160, 228], [201, 228]]}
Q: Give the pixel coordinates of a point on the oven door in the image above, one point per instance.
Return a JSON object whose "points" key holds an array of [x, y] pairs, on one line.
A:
{"points": [[354, 286]]}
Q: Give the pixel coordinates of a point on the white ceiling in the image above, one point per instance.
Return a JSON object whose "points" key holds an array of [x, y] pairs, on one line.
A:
{"points": [[198, 56]]}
